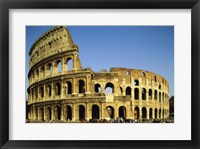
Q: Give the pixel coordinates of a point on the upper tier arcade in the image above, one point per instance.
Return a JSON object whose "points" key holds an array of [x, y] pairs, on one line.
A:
{"points": [[52, 42]]}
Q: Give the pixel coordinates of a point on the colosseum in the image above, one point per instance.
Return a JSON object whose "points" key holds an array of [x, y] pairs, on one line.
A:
{"points": [[60, 90]]}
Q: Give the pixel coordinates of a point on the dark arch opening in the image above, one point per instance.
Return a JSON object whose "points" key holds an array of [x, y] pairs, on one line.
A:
{"points": [[95, 112], [150, 93], [144, 92], [49, 90], [69, 87], [159, 113], [136, 83], [48, 114], [42, 71], [41, 92], [137, 113], [155, 113], [81, 112], [109, 88], [155, 94], [159, 96], [150, 113], [128, 91], [163, 114], [110, 111], [97, 88], [58, 113], [122, 112], [144, 112], [41, 114], [58, 89], [81, 85], [68, 113], [136, 91]]}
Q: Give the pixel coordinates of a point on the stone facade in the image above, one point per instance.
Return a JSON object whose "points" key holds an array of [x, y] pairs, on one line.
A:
{"points": [[58, 92]]}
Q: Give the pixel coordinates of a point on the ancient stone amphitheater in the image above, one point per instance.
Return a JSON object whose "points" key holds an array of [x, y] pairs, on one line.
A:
{"points": [[60, 90]]}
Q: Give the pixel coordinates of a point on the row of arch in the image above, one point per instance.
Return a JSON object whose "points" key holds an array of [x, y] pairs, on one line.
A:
{"points": [[56, 89], [143, 74], [51, 68], [48, 113]]}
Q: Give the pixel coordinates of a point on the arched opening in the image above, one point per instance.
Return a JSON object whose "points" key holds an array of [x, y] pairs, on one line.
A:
{"points": [[36, 113], [68, 113], [136, 83], [155, 78], [50, 69], [150, 113], [36, 93], [81, 85], [69, 64], [122, 112], [57, 113], [155, 94], [81, 112], [159, 96], [155, 114], [37, 74], [69, 87], [41, 114], [128, 91], [110, 111], [136, 92], [159, 113], [97, 88], [143, 74], [159, 87], [163, 97], [41, 92], [163, 114], [49, 90], [137, 113], [58, 89], [48, 114], [109, 88], [42, 71], [95, 112], [150, 93], [144, 113], [59, 66], [144, 92], [127, 72]]}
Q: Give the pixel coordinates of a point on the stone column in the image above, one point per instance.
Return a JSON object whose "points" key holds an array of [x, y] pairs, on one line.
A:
{"points": [[74, 86], [52, 90], [52, 112], [147, 113], [116, 110], [63, 65], [74, 61], [102, 111], [73, 112], [140, 108], [62, 113], [153, 113]]}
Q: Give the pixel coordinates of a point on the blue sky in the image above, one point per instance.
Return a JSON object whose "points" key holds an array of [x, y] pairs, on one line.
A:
{"points": [[148, 48]]}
